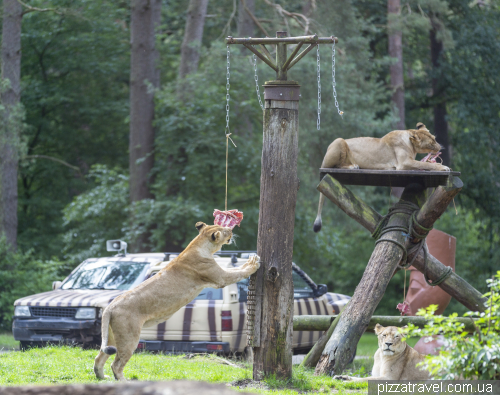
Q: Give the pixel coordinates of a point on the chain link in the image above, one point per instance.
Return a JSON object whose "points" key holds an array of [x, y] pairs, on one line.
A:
{"points": [[318, 122], [257, 80], [341, 113], [227, 91]]}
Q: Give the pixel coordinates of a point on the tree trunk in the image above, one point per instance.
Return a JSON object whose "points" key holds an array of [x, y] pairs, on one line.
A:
{"points": [[272, 323], [12, 119], [440, 122], [193, 35], [246, 26], [396, 69], [143, 73]]}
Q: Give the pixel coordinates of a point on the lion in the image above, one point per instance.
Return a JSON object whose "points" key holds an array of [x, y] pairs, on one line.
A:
{"points": [[394, 359], [395, 151], [158, 298]]}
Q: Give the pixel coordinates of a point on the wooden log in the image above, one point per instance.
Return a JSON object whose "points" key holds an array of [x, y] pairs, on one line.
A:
{"points": [[323, 323], [379, 270], [314, 354], [353, 206], [437, 203], [273, 281], [349, 203]]}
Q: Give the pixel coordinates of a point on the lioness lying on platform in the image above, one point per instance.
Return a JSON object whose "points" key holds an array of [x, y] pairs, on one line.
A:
{"points": [[159, 297], [395, 151], [394, 359]]}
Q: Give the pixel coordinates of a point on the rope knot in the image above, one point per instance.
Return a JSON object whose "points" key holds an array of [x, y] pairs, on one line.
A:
{"points": [[411, 210]]}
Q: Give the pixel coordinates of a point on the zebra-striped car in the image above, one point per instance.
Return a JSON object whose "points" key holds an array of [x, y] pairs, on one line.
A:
{"points": [[215, 321]]}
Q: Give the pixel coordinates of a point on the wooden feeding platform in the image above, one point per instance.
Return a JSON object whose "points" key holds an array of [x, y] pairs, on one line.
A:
{"points": [[400, 242], [390, 178]]}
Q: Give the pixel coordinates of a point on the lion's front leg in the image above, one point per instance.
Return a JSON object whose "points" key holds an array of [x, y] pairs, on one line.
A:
{"points": [[234, 275], [417, 165]]}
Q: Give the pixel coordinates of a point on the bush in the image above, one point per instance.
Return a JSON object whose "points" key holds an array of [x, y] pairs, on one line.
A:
{"points": [[21, 275], [476, 356]]}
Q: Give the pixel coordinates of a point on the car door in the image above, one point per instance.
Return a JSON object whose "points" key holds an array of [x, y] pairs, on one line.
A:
{"points": [[305, 303]]}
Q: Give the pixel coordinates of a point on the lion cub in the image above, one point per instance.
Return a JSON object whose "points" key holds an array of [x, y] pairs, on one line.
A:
{"points": [[394, 359], [395, 151], [159, 297]]}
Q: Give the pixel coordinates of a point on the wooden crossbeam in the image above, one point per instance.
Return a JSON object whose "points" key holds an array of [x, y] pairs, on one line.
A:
{"points": [[295, 51], [262, 57]]}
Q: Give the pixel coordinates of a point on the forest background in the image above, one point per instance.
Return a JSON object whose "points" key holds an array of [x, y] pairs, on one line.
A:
{"points": [[82, 103]]}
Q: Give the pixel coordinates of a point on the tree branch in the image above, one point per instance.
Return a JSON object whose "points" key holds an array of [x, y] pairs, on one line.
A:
{"points": [[76, 168], [33, 9], [293, 15], [256, 21]]}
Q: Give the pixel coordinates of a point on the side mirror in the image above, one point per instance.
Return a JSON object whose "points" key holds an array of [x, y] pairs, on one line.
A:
{"points": [[56, 284], [321, 290]]}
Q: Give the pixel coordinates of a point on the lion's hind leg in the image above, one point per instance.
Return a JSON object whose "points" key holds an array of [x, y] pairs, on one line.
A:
{"points": [[102, 357], [339, 155]]}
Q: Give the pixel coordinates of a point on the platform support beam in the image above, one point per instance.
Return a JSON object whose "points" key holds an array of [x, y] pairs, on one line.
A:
{"points": [[383, 262]]}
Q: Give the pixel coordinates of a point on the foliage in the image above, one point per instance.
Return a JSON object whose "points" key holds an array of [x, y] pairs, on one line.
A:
{"points": [[23, 274], [50, 366], [96, 215], [465, 357]]}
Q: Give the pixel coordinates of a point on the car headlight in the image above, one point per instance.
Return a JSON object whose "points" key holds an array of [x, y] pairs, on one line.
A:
{"points": [[22, 311], [87, 313]]}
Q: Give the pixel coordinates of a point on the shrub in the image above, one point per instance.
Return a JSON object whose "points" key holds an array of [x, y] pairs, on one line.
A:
{"points": [[21, 274], [474, 356]]}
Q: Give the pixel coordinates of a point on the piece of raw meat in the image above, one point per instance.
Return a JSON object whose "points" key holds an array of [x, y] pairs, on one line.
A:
{"points": [[228, 219]]}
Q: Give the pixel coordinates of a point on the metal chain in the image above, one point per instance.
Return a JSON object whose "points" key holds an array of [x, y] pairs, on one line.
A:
{"points": [[257, 80], [227, 92], [341, 113], [319, 88]]}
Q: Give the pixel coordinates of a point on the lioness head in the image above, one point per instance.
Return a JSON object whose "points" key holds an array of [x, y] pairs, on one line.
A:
{"points": [[215, 234], [423, 141], [389, 339]]}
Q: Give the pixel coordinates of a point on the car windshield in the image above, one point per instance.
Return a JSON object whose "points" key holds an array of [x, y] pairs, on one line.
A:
{"points": [[104, 274], [300, 288]]}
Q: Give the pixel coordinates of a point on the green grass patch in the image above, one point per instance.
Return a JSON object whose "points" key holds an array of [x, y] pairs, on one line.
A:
{"points": [[7, 341], [65, 365]]}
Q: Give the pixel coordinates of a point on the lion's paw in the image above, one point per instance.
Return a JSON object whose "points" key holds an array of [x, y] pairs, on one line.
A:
{"points": [[342, 377], [254, 262]]}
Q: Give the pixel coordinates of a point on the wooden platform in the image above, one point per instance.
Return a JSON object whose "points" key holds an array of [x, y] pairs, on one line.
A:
{"points": [[389, 178]]}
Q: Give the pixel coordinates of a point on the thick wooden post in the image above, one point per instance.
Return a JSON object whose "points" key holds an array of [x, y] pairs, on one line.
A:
{"points": [[358, 312], [271, 329]]}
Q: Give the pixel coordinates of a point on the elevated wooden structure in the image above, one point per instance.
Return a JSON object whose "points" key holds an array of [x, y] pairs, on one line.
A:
{"points": [[390, 178], [429, 194]]}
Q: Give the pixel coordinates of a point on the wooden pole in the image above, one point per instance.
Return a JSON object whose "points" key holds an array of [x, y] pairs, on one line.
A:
{"points": [[271, 291], [357, 209]]}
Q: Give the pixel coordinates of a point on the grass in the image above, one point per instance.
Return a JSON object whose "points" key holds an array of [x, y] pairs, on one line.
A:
{"points": [[65, 365], [7, 341]]}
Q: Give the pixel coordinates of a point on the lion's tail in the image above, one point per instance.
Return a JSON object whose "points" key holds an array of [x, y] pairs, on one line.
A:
{"points": [[317, 222], [106, 317]]}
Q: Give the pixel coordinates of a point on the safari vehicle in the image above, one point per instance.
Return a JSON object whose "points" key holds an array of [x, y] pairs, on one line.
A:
{"points": [[215, 321]]}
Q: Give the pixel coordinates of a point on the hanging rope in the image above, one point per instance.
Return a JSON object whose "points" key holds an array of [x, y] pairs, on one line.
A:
{"points": [[411, 210], [227, 131]]}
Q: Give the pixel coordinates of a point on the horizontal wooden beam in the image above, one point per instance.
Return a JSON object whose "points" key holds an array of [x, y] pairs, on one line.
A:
{"points": [[323, 322], [314, 39]]}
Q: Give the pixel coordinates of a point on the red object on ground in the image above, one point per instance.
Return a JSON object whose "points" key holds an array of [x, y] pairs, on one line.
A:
{"points": [[228, 219]]}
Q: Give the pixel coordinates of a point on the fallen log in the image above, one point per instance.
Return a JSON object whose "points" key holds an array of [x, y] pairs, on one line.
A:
{"points": [[323, 322]]}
